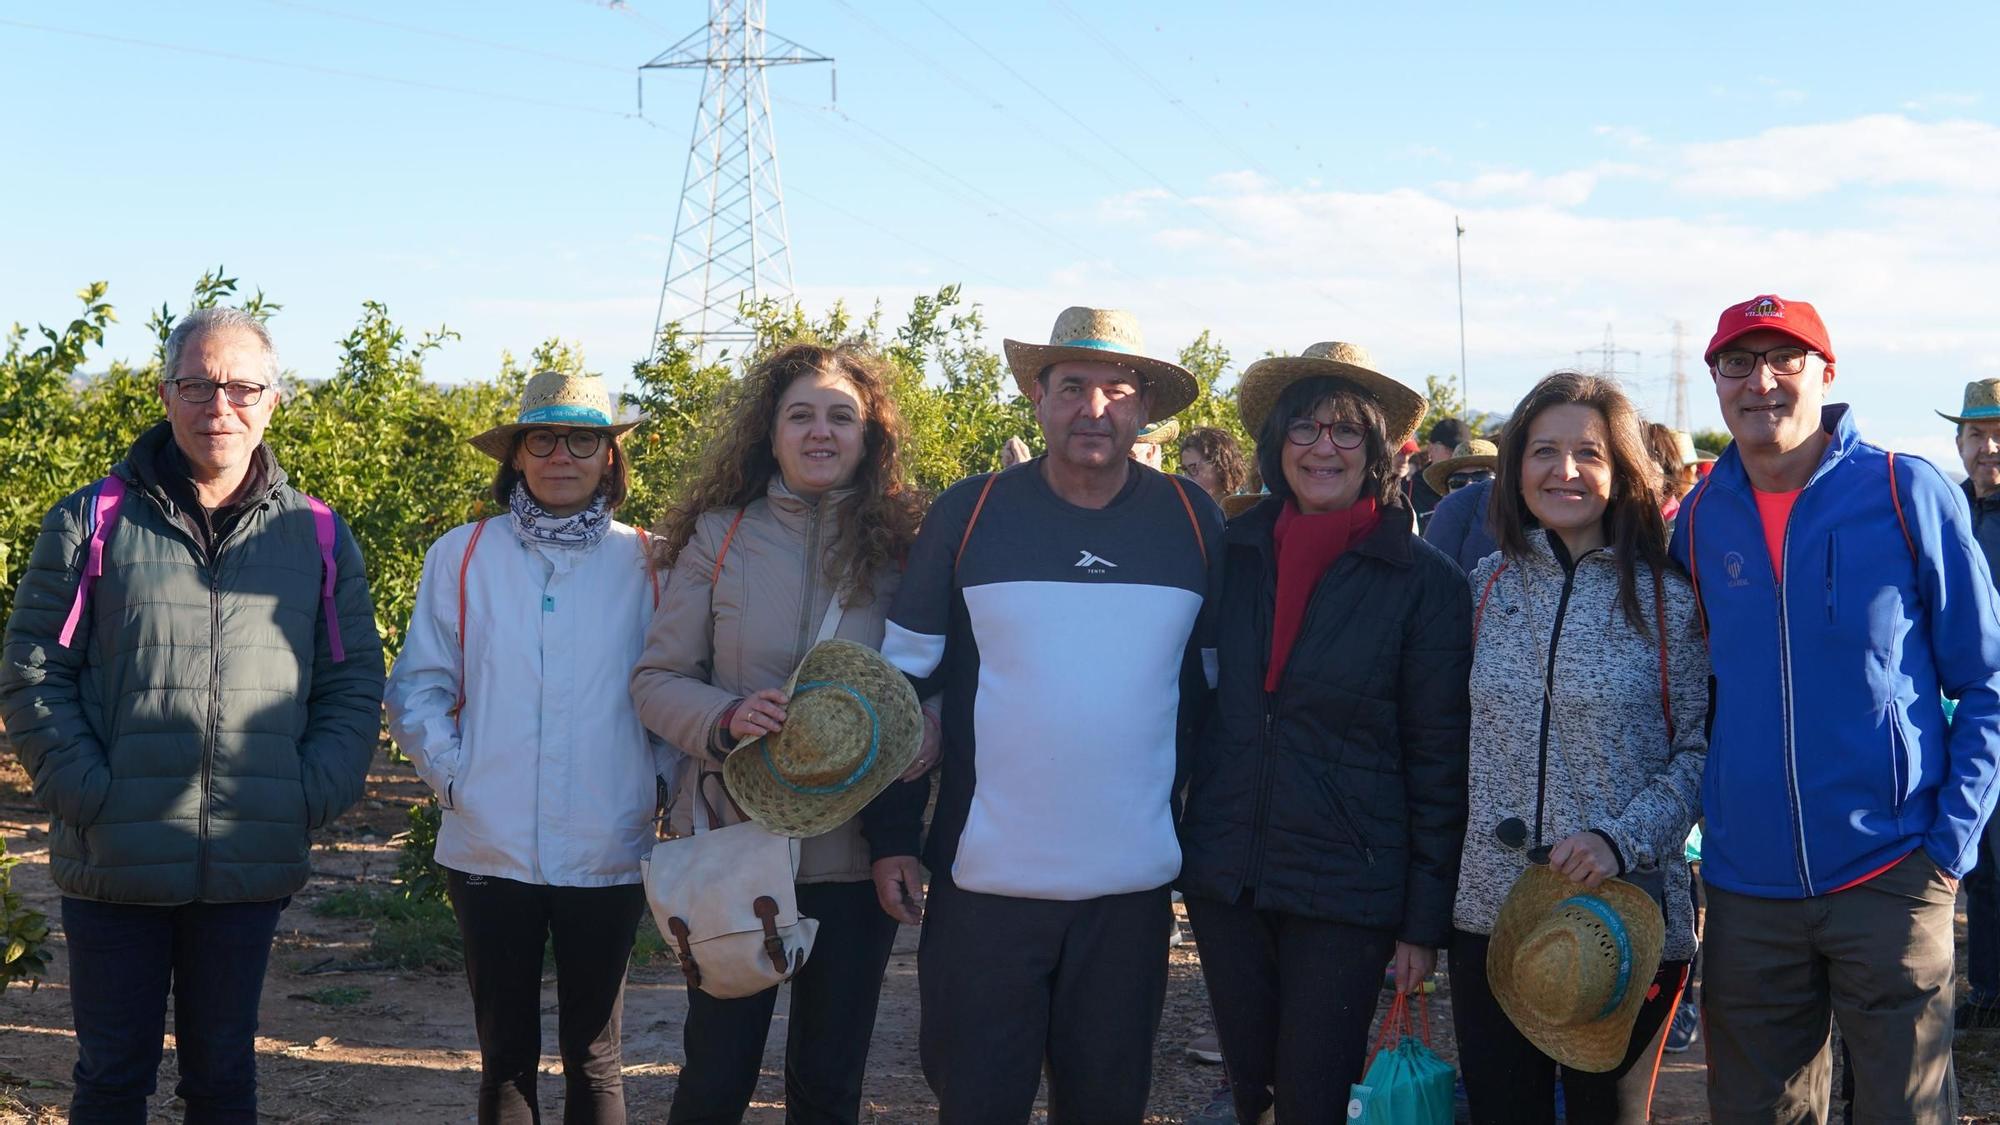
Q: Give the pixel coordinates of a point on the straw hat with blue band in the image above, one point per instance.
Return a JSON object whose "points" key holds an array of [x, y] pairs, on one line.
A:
{"points": [[555, 398], [1263, 381], [852, 726], [1571, 967], [1104, 336], [1982, 403], [1159, 433]]}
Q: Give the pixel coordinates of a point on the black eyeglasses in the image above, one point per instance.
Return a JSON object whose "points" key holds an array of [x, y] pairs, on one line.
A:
{"points": [[582, 443], [1738, 363], [1306, 431], [203, 390]]}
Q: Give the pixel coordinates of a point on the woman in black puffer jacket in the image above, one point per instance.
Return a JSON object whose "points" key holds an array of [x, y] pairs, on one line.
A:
{"points": [[1326, 802]]}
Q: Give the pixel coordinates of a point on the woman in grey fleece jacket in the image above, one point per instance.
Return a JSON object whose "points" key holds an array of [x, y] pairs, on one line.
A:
{"points": [[1586, 726]]}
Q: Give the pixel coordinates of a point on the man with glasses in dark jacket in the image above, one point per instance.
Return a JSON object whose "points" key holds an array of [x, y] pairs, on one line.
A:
{"points": [[1978, 424], [175, 682]]}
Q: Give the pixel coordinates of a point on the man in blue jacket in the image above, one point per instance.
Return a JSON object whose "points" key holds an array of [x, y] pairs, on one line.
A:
{"points": [[1844, 594]]}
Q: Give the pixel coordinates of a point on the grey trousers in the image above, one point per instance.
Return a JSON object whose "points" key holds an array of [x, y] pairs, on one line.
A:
{"points": [[1877, 957]]}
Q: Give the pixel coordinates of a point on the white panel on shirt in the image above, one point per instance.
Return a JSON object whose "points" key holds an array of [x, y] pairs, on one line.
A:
{"points": [[1073, 721]]}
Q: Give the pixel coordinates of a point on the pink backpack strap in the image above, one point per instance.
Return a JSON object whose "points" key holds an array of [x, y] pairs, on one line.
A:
{"points": [[323, 531], [104, 507]]}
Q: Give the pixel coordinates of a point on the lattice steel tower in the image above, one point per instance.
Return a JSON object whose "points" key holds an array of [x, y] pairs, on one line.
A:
{"points": [[730, 240]]}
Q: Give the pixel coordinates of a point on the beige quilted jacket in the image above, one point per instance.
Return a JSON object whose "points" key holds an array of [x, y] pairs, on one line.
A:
{"points": [[721, 633]]}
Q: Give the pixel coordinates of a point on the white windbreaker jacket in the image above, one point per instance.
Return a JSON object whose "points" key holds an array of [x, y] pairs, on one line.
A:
{"points": [[547, 775]]}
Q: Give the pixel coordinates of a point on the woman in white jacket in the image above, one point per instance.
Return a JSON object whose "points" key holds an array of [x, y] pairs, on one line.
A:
{"points": [[509, 697]]}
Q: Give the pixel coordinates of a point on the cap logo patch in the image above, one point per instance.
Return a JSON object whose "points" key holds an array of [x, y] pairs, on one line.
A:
{"points": [[1766, 306]]}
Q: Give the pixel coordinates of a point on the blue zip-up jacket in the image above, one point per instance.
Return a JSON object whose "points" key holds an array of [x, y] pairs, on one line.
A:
{"points": [[1830, 756]]}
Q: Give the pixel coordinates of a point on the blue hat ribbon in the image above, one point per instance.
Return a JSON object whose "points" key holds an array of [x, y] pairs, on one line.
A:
{"points": [[1616, 926], [860, 771]]}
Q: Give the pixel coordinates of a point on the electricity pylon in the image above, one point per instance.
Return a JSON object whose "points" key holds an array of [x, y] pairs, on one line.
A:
{"points": [[730, 239]]}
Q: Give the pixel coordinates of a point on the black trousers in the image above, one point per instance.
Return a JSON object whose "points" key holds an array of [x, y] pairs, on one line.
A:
{"points": [[1294, 998], [1010, 985], [1508, 1081], [505, 925], [826, 1040]]}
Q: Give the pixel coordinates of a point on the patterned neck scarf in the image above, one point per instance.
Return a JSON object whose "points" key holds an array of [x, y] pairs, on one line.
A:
{"points": [[578, 532]]}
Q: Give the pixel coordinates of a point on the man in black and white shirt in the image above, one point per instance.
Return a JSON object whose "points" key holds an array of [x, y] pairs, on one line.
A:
{"points": [[1060, 607]]}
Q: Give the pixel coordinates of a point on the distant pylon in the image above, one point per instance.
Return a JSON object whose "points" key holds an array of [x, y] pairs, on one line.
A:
{"points": [[730, 240], [1680, 379]]}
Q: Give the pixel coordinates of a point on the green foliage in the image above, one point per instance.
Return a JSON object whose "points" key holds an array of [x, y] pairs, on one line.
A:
{"points": [[1445, 402], [418, 874], [1715, 441], [1208, 361], [334, 996], [409, 933], [24, 931]]}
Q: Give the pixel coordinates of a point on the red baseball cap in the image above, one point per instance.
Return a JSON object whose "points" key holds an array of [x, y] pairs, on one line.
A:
{"points": [[1409, 446], [1796, 319]]}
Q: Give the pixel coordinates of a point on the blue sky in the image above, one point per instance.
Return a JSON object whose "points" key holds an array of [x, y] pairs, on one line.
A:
{"points": [[1279, 173]]}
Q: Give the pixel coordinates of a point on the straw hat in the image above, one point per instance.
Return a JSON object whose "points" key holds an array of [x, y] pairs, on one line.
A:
{"points": [[1263, 381], [1475, 454], [555, 398], [1104, 336], [1159, 433], [1571, 967], [1982, 403], [1684, 446], [852, 727], [1238, 503]]}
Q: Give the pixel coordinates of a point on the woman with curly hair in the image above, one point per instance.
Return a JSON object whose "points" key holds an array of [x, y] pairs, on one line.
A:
{"points": [[796, 521], [1212, 459]]}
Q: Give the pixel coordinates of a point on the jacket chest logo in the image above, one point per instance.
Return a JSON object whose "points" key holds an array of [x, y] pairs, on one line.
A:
{"points": [[1093, 563], [1732, 564]]}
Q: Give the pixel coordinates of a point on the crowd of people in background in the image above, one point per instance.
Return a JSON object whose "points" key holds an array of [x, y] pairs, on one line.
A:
{"points": [[1359, 696]]}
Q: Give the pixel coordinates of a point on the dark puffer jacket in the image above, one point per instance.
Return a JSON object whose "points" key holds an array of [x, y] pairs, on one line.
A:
{"points": [[200, 728], [1342, 795]]}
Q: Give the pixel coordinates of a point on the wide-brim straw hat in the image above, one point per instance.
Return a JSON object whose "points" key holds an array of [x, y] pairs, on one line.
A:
{"points": [[1159, 433], [1684, 446], [1982, 403], [1475, 454], [1263, 381], [1238, 503], [1104, 336], [555, 398], [1572, 967], [852, 726]]}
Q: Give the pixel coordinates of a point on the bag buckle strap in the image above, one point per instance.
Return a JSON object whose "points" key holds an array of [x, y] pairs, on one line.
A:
{"points": [[766, 908], [679, 928]]}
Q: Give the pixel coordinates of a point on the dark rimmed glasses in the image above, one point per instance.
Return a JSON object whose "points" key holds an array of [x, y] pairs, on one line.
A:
{"points": [[583, 444], [203, 390], [1738, 363], [1306, 431]]}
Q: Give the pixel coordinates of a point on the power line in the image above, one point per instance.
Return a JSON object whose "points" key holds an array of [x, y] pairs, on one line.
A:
{"points": [[1109, 145], [314, 68], [1167, 93], [452, 36]]}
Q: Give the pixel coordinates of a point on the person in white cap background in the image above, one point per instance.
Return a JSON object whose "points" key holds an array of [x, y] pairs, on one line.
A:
{"points": [[1590, 705], [1326, 800], [509, 699], [1059, 606], [793, 528]]}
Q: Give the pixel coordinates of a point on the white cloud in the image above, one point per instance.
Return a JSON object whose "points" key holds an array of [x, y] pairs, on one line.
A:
{"points": [[1879, 150], [1564, 189]]}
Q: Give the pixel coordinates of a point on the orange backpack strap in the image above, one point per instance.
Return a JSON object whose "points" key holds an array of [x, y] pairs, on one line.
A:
{"points": [[465, 568], [977, 505], [1896, 500], [716, 575], [1199, 540], [1479, 614]]}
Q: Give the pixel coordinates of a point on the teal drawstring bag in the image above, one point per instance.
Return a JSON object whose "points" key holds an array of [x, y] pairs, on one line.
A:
{"points": [[1406, 1084]]}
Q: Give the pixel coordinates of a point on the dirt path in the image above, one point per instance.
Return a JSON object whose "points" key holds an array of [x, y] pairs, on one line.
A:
{"points": [[379, 1046]]}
